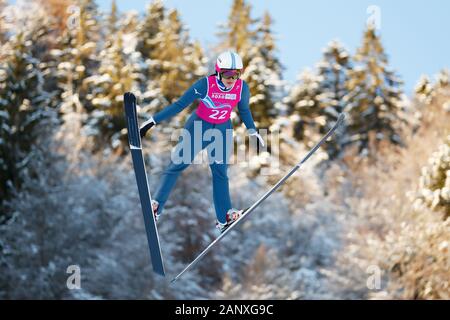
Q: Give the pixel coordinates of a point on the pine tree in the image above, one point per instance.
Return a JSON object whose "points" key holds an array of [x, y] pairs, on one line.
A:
{"points": [[442, 79], [434, 186], [333, 72], [239, 34], [168, 57], [176, 62], [88, 24], [76, 56], [116, 75], [59, 11], [40, 27], [31, 19], [443, 86], [195, 60], [374, 100], [304, 107], [424, 90], [263, 75], [128, 26], [130, 23], [268, 46], [153, 98], [150, 28], [113, 19], [23, 107]]}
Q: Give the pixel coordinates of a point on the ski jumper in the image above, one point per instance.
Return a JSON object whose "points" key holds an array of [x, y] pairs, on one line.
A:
{"points": [[213, 112]]}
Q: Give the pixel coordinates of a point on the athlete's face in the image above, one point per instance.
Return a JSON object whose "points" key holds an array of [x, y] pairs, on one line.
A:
{"points": [[229, 82], [230, 77]]}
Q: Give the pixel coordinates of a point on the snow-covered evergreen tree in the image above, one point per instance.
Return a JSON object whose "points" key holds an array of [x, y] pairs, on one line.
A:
{"points": [[442, 79], [150, 27], [129, 28], [374, 101], [59, 11], [76, 56], [267, 44], [333, 72], [113, 19], [443, 86], [23, 108], [263, 75], [424, 90], [174, 62], [434, 186], [130, 24], [175, 58], [316, 101], [174, 65], [238, 33], [66, 215], [31, 19], [304, 108], [146, 32], [119, 72]]}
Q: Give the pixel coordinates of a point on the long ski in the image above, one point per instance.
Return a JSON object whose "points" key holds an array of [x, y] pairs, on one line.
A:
{"points": [[250, 209], [134, 140]]}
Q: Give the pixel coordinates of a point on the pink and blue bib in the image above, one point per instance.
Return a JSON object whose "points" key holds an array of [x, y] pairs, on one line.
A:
{"points": [[217, 105]]}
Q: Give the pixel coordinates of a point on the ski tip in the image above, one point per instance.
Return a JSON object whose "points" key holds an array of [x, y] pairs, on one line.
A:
{"points": [[173, 280]]}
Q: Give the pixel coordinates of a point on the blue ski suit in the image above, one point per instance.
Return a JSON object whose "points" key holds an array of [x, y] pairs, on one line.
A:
{"points": [[221, 193]]}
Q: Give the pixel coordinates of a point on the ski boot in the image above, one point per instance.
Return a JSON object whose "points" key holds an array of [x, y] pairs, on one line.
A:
{"points": [[232, 216], [155, 206]]}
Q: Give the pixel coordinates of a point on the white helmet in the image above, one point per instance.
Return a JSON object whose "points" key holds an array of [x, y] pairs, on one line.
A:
{"points": [[229, 60]]}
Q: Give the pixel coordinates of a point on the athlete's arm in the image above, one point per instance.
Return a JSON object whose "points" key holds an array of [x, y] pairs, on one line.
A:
{"points": [[196, 91], [244, 109]]}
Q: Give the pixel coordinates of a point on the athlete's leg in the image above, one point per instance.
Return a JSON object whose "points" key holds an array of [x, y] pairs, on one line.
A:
{"points": [[182, 156], [219, 167]]}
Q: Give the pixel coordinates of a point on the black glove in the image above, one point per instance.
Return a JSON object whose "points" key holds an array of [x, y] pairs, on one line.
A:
{"points": [[147, 125]]}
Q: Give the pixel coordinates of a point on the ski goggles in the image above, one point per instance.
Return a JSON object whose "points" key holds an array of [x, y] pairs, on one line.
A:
{"points": [[230, 74]]}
